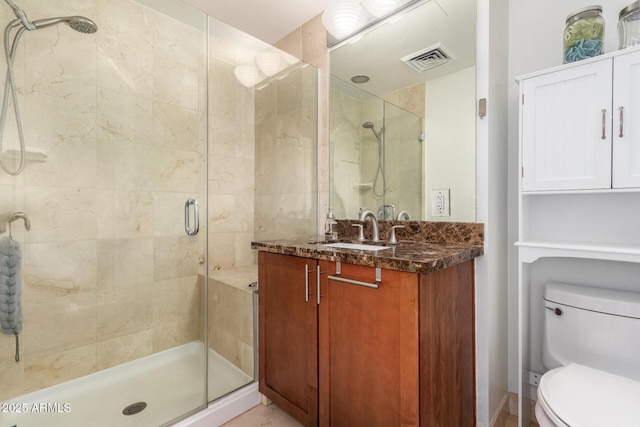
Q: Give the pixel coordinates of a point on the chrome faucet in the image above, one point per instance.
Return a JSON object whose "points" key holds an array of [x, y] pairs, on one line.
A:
{"points": [[404, 215], [375, 231]]}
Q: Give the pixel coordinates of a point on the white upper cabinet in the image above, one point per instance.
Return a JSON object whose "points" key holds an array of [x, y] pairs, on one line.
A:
{"points": [[626, 121], [577, 122]]}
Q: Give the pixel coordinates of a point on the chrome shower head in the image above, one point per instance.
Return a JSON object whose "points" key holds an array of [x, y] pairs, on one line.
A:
{"points": [[78, 23], [369, 125], [82, 24]]}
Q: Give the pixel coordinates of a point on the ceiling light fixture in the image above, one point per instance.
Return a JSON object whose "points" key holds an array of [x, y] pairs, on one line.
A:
{"points": [[347, 19], [248, 75], [344, 17], [380, 8], [269, 63]]}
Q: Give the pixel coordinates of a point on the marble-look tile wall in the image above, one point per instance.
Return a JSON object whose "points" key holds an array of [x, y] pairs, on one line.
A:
{"points": [[286, 156], [346, 133], [231, 315], [403, 161], [109, 274], [232, 158], [309, 43]]}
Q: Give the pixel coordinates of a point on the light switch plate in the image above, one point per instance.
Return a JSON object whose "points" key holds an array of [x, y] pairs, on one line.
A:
{"points": [[440, 202]]}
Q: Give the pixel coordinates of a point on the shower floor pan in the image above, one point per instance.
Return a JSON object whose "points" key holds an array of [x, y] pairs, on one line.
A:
{"points": [[169, 383]]}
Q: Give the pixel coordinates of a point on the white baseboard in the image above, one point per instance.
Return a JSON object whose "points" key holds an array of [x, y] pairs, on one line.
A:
{"points": [[500, 416], [225, 409]]}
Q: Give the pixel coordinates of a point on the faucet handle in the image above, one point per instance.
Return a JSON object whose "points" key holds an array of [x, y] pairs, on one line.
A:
{"points": [[392, 234], [360, 232]]}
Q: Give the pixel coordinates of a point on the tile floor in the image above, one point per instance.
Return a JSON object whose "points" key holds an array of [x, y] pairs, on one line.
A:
{"points": [[273, 416], [263, 415]]}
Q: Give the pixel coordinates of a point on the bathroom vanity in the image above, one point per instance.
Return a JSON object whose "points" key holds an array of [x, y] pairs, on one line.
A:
{"points": [[369, 337]]}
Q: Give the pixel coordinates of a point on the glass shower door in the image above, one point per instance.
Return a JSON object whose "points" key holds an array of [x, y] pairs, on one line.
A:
{"points": [[403, 162], [263, 130]]}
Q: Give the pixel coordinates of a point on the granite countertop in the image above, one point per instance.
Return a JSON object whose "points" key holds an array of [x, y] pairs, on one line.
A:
{"points": [[411, 256]]}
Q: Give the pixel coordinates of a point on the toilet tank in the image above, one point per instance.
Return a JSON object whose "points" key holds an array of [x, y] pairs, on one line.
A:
{"points": [[591, 326]]}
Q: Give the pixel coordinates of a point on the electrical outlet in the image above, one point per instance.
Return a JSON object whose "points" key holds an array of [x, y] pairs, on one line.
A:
{"points": [[440, 202], [534, 378]]}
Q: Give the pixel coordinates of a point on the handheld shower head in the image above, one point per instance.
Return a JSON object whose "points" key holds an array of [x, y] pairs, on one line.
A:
{"points": [[369, 125], [20, 25], [78, 23], [82, 24]]}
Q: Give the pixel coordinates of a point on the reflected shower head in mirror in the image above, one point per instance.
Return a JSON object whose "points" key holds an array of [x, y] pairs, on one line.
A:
{"points": [[369, 125]]}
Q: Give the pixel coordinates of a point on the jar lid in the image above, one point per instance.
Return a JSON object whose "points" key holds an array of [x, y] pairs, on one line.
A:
{"points": [[596, 8], [629, 9]]}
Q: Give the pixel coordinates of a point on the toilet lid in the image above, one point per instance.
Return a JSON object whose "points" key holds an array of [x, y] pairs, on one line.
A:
{"points": [[585, 397]]}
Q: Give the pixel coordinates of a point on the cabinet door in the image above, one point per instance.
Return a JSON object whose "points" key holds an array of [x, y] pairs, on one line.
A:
{"points": [[447, 343], [626, 121], [566, 129], [368, 348], [288, 334]]}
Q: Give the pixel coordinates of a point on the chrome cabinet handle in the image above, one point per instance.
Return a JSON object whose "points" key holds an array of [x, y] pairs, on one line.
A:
{"points": [[604, 124], [196, 217], [318, 294], [621, 109], [357, 282], [306, 283]]}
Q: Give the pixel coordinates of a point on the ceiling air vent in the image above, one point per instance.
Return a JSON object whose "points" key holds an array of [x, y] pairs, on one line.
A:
{"points": [[428, 58]]}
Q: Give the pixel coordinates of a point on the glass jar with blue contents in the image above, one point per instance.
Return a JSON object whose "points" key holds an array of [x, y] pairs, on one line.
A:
{"points": [[584, 34]]}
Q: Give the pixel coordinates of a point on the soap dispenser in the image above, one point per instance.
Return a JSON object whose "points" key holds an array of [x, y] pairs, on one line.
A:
{"points": [[329, 232]]}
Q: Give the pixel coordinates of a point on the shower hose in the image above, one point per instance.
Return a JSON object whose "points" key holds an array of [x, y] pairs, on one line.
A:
{"points": [[10, 89]]}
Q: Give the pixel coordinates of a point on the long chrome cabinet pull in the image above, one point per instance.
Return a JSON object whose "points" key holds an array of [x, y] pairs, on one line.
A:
{"points": [[604, 124], [621, 109], [196, 217], [306, 283], [318, 294], [358, 282]]}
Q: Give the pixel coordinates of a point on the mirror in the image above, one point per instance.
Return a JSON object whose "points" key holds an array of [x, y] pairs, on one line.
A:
{"points": [[403, 141]]}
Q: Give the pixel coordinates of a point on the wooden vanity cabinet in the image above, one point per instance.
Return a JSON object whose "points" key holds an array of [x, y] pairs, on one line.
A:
{"points": [[288, 334], [368, 348], [400, 354]]}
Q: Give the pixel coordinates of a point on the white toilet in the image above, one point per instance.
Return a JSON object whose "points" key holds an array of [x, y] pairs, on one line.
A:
{"points": [[591, 346]]}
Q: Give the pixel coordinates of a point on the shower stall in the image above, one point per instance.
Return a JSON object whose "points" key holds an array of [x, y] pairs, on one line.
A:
{"points": [[144, 162], [376, 155]]}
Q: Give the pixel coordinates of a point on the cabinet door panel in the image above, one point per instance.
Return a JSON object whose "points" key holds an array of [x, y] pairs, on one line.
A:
{"points": [[447, 340], [288, 335], [565, 116], [626, 123], [369, 349]]}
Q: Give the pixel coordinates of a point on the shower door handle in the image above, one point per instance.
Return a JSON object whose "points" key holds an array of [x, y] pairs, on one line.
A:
{"points": [[187, 217]]}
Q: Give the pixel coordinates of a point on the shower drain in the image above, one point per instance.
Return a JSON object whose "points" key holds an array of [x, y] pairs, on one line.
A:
{"points": [[134, 408]]}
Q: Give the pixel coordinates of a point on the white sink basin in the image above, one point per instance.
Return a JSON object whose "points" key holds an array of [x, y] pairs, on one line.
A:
{"points": [[357, 246]]}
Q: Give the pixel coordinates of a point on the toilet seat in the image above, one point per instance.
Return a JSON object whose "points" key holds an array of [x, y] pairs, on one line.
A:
{"points": [[545, 415], [579, 396]]}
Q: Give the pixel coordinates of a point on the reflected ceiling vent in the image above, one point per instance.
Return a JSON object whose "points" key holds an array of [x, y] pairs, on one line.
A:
{"points": [[428, 58]]}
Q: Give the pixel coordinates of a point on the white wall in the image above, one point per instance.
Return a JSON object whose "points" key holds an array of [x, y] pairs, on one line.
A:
{"points": [[451, 134], [535, 43], [491, 277]]}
